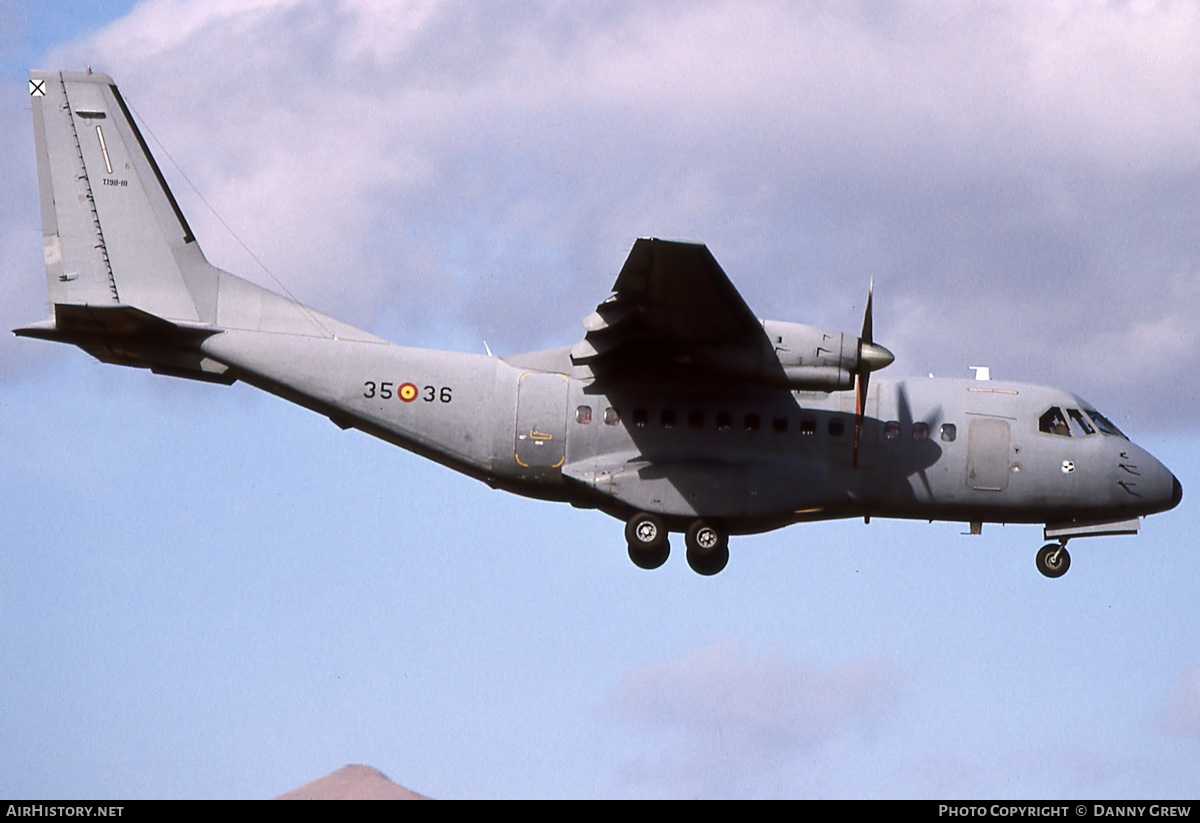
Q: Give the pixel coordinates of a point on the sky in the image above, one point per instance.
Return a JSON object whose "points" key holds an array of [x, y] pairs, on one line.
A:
{"points": [[208, 592]]}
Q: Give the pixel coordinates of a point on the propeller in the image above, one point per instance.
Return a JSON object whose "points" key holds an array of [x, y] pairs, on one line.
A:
{"points": [[870, 358]]}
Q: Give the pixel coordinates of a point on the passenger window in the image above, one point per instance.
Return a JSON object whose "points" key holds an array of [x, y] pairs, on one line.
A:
{"points": [[696, 420], [779, 425], [753, 423], [837, 427], [891, 430], [808, 425], [724, 421], [610, 416], [583, 415], [1080, 427], [920, 431], [667, 418], [1053, 422], [949, 432], [640, 417]]}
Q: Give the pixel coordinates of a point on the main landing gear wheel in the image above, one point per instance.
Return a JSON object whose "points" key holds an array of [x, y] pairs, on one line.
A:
{"points": [[647, 539], [1053, 560], [707, 548]]}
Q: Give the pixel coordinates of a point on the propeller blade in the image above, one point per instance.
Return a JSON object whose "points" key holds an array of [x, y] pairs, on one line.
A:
{"points": [[870, 357], [860, 404], [867, 335]]}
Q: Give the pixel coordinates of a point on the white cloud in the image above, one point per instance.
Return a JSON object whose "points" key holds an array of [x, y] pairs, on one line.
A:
{"points": [[730, 716], [1182, 715], [1017, 170]]}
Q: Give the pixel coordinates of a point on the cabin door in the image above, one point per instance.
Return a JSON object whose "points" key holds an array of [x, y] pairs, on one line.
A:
{"points": [[541, 436], [987, 454]]}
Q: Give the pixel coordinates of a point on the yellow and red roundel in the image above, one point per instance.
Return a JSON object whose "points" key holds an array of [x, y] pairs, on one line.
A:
{"points": [[408, 392]]}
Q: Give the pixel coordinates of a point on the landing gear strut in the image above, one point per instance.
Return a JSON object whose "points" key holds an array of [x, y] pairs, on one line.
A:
{"points": [[1053, 560], [647, 539], [707, 548]]}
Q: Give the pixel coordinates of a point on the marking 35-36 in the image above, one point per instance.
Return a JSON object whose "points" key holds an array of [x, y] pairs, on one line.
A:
{"points": [[406, 392]]}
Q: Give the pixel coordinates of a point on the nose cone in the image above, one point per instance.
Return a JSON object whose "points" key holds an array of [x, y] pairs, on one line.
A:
{"points": [[1166, 491], [1147, 485]]}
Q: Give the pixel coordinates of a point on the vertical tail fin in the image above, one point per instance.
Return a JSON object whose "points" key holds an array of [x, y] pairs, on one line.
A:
{"points": [[112, 231], [126, 278]]}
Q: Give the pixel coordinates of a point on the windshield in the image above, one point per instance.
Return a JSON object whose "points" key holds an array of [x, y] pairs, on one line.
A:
{"points": [[1104, 424], [1075, 423]]}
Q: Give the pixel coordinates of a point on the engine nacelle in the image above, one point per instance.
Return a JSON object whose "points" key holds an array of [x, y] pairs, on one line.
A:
{"points": [[803, 358], [811, 359], [788, 355]]}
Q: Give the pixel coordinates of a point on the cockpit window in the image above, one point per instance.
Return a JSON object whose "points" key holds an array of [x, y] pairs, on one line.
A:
{"points": [[1079, 424], [1054, 422], [1104, 424]]}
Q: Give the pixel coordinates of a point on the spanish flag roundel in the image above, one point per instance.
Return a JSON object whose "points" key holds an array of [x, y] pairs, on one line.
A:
{"points": [[408, 392]]}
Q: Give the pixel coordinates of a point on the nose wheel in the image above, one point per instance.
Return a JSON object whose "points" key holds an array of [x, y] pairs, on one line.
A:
{"points": [[1053, 560]]}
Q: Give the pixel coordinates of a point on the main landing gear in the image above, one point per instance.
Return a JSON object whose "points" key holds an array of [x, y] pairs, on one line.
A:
{"points": [[1053, 560], [707, 546], [647, 539]]}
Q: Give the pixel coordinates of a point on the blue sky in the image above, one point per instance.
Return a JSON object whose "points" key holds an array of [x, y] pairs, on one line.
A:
{"points": [[210, 593]]}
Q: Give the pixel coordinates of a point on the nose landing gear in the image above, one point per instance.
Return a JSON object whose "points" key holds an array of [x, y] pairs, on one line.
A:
{"points": [[1053, 560]]}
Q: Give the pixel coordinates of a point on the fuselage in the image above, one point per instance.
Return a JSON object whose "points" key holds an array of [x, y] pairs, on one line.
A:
{"points": [[929, 449], [748, 456]]}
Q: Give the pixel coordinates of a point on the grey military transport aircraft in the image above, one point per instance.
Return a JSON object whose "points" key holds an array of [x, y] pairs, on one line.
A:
{"points": [[678, 411]]}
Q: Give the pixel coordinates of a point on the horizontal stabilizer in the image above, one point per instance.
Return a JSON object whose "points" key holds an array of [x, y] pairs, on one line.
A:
{"points": [[128, 336], [72, 322]]}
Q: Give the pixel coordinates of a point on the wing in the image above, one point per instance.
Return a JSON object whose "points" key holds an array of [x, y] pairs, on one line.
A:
{"points": [[671, 302]]}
